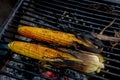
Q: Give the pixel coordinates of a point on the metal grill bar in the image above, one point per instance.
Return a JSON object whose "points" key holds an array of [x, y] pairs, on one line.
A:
{"points": [[89, 20], [103, 3], [81, 8], [117, 68], [103, 71], [59, 11], [92, 10], [4, 26], [70, 23], [79, 20]]}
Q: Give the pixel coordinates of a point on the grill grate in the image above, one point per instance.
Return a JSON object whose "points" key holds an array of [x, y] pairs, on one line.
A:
{"points": [[67, 16]]}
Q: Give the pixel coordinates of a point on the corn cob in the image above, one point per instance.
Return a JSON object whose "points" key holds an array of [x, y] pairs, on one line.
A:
{"points": [[86, 63], [55, 37]]}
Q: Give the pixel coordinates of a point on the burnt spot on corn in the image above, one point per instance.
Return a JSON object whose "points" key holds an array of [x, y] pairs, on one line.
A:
{"points": [[89, 37], [79, 47]]}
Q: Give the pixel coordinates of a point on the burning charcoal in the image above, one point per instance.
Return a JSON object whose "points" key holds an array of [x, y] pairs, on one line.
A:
{"points": [[66, 78], [49, 74]]}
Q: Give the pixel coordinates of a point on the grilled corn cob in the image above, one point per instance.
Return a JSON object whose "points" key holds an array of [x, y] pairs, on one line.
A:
{"points": [[56, 37], [86, 63]]}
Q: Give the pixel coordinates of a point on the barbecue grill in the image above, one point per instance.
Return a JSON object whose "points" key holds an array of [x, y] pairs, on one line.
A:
{"points": [[68, 16]]}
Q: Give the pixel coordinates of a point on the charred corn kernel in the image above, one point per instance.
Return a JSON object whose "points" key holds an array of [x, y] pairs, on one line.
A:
{"points": [[51, 36], [85, 63]]}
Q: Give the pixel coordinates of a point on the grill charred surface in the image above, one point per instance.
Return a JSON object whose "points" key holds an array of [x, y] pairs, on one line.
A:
{"points": [[72, 16]]}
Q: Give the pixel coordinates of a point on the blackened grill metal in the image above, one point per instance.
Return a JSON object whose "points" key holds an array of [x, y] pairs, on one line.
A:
{"points": [[68, 16]]}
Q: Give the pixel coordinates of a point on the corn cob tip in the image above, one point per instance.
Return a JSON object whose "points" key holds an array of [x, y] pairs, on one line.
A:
{"points": [[11, 44], [21, 28]]}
